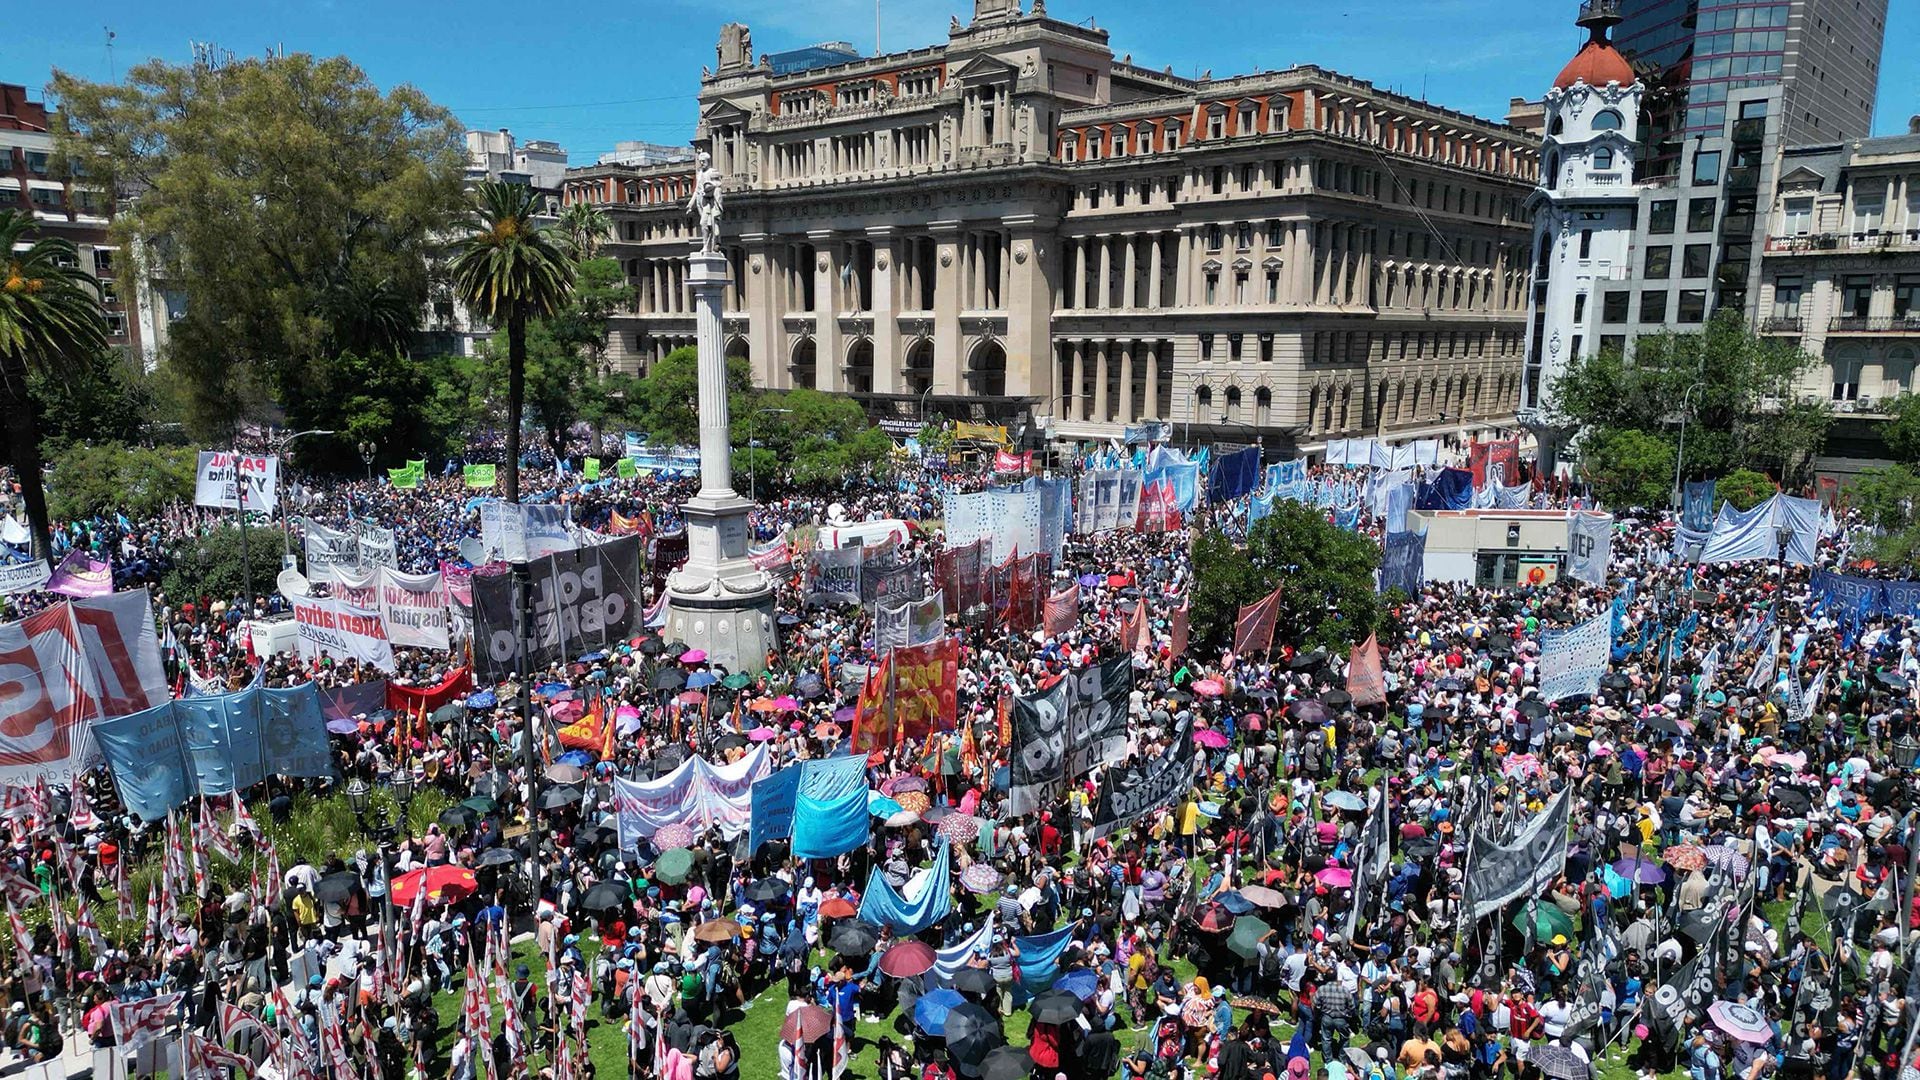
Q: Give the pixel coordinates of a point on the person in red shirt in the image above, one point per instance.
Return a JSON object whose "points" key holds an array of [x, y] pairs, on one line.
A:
{"points": [[1045, 1046], [1525, 1025]]}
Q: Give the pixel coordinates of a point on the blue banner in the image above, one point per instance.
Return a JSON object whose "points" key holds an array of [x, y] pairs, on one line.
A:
{"points": [[1448, 489], [1234, 475], [293, 732], [148, 761], [215, 745], [1040, 961], [1186, 483], [773, 804], [203, 730], [1696, 505], [1403, 563], [830, 808], [926, 899]]}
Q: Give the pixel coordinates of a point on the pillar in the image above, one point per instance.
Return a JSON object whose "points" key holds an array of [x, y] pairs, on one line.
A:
{"points": [[947, 361], [1026, 295], [708, 282], [759, 296], [1153, 381], [828, 348], [1153, 271], [1182, 269], [1101, 367], [887, 356], [1130, 273], [1106, 272], [1126, 379], [1077, 357]]}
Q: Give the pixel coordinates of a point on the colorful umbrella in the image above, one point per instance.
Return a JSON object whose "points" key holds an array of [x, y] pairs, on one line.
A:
{"points": [[915, 802], [894, 785], [1344, 800], [1685, 857], [1214, 919], [806, 1024], [677, 835], [739, 680], [762, 734], [1640, 871], [716, 931], [1548, 922], [441, 883], [980, 877], [765, 705], [700, 680], [1248, 932], [1743, 1022], [674, 866], [785, 703], [907, 958], [694, 656], [1335, 877], [930, 1012], [1211, 739], [1209, 688], [1261, 896], [690, 697]]}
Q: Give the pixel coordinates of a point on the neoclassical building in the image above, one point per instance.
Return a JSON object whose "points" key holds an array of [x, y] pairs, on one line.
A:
{"points": [[1017, 224]]}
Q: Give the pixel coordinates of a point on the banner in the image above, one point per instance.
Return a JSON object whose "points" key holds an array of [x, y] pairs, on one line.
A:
{"points": [[926, 899], [408, 478], [148, 759], [583, 599], [904, 625], [833, 575], [773, 801], [1127, 796], [1253, 629], [774, 555], [24, 577], [80, 574], [993, 433], [1063, 732], [1696, 505], [1589, 546], [414, 609], [1741, 536], [590, 469], [1572, 660], [329, 551], [698, 794], [1234, 475], [375, 545], [1063, 610], [830, 808], [1152, 431], [478, 476], [215, 745], [63, 668], [517, 532], [1403, 562], [215, 481], [342, 631], [1499, 873], [918, 690], [1366, 675]]}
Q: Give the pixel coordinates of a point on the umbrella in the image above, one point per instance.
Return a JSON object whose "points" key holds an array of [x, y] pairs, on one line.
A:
{"points": [[1007, 1063], [827, 730], [674, 866], [1662, 723], [1344, 800], [1209, 688], [914, 802], [882, 807], [1261, 896], [1548, 921], [1533, 708], [700, 680], [1309, 712], [604, 896], [806, 1024], [479, 804], [971, 1032], [1726, 858], [1080, 982], [440, 882], [716, 931], [562, 773], [762, 734], [763, 705], [689, 697], [676, 835], [1233, 902], [936, 814], [343, 726], [973, 980], [485, 699], [458, 816], [809, 686], [1640, 871], [900, 819], [651, 646], [1214, 919], [1337, 698], [1743, 1022], [980, 877], [1790, 801], [1056, 1006], [907, 958], [499, 856], [668, 679], [838, 908], [337, 887], [1209, 738], [1335, 877], [894, 785], [1247, 935], [930, 1012], [765, 891], [1890, 679], [729, 741], [555, 797], [1684, 857], [785, 704], [1557, 1062], [853, 938], [694, 656], [1306, 660], [739, 680]]}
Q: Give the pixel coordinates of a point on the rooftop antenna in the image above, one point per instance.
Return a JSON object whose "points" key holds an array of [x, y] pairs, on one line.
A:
{"points": [[876, 28], [112, 75]]}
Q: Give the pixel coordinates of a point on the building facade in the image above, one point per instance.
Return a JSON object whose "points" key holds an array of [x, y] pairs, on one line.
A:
{"points": [[1842, 277], [1016, 223]]}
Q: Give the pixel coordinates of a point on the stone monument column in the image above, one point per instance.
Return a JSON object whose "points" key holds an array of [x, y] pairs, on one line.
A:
{"points": [[718, 601]]}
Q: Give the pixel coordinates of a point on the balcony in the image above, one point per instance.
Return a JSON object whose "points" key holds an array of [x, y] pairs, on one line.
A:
{"points": [[1783, 324], [1736, 225], [1875, 324], [1749, 132], [1743, 178], [1843, 243]]}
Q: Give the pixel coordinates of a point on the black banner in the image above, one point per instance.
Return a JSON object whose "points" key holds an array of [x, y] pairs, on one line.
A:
{"points": [[1080, 722], [584, 599], [1126, 796]]}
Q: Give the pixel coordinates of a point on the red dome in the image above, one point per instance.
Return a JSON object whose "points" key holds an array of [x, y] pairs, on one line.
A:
{"points": [[1597, 64]]}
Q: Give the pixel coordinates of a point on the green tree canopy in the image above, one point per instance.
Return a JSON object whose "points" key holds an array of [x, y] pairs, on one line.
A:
{"points": [[101, 479], [1628, 468], [1325, 575], [210, 564], [1902, 431], [290, 200], [1734, 387], [1745, 488]]}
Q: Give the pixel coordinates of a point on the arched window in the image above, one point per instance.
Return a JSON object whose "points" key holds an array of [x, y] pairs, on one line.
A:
{"points": [[1203, 400], [1602, 159], [1559, 126], [1606, 120], [1896, 371], [1262, 406], [1550, 172], [1846, 374], [1233, 403]]}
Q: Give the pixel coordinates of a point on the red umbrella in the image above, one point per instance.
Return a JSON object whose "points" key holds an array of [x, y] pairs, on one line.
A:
{"points": [[806, 1024], [1209, 688], [441, 882], [906, 959], [838, 908], [1214, 919]]}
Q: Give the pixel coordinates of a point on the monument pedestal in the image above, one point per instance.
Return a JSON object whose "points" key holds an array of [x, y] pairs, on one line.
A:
{"points": [[719, 601]]}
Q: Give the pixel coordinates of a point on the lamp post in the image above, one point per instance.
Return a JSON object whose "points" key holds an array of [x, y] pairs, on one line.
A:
{"points": [[286, 532], [367, 452], [1784, 536], [402, 786], [359, 798], [1680, 455]]}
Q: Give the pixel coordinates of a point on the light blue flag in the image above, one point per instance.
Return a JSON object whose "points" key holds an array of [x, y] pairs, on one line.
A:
{"points": [[294, 732], [149, 762]]}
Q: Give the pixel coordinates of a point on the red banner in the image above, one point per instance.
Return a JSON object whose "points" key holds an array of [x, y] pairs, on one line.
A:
{"points": [[916, 693], [1366, 675], [1178, 632], [1012, 463], [1063, 610], [403, 699], [1253, 630]]}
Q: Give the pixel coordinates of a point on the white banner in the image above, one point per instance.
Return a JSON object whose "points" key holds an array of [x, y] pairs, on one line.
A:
{"points": [[329, 552], [24, 577], [516, 532], [214, 482], [414, 607], [342, 631], [1572, 660], [375, 545], [355, 586], [1589, 546], [62, 668], [697, 794]]}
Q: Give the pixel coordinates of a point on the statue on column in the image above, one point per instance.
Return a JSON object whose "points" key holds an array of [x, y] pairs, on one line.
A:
{"points": [[707, 202]]}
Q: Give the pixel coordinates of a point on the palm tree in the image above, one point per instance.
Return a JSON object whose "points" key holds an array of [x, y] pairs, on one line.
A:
{"points": [[50, 323], [507, 270], [585, 225]]}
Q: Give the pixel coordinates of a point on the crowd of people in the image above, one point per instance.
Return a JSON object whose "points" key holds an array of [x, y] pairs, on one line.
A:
{"points": [[1735, 899]]}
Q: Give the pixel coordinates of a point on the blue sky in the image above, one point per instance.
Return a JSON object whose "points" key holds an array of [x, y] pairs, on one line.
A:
{"points": [[586, 80]]}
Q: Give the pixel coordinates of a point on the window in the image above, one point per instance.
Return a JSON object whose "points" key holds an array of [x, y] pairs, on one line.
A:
{"points": [[1606, 120], [1203, 396], [1896, 371], [1233, 404], [1856, 295], [1240, 286], [102, 262], [1275, 234], [1602, 160], [1216, 237], [1243, 236], [1846, 376], [1693, 305], [1549, 172], [1695, 260], [116, 324], [1753, 110], [1266, 350], [1706, 168], [1173, 135], [1580, 307], [1586, 243], [1143, 138], [1218, 178], [1660, 220], [1786, 297], [1273, 286], [1868, 212], [1700, 215], [1213, 286], [1796, 217], [1659, 263], [1653, 307], [1613, 306], [1906, 291]]}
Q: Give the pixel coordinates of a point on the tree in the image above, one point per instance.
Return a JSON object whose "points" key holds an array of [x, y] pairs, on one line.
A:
{"points": [[1325, 575], [50, 324], [1902, 431], [1745, 489], [210, 564], [102, 479], [1888, 498], [1628, 468], [1735, 386], [821, 438], [105, 397], [565, 351], [509, 270], [586, 225], [667, 405], [293, 203]]}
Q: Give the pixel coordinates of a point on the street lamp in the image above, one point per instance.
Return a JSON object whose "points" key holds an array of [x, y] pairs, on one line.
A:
{"points": [[402, 785], [1686, 410], [359, 795], [286, 531], [367, 452]]}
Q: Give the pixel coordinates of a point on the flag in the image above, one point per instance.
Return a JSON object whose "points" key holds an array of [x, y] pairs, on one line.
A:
{"points": [[137, 1022], [591, 469], [1500, 873], [1253, 630], [1062, 610], [1138, 635], [1764, 667], [22, 941], [1366, 675], [1179, 630], [213, 837], [626, 468]]}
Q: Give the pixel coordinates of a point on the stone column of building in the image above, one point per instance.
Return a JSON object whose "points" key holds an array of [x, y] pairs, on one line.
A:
{"points": [[1153, 271], [1102, 367], [948, 364], [763, 310], [1077, 284], [1106, 272], [1126, 377], [1027, 297], [829, 351], [1131, 272], [1183, 268], [1081, 405], [1153, 381], [887, 356]]}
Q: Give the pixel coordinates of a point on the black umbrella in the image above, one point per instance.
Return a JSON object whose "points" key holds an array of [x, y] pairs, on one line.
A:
{"points": [[1054, 1007], [499, 856], [730, 740], [1790, 801], [975, 981], [337, 888], [765, 891], [1613, 680], [670, 757], [1891, 679], [459, 816], [1662, 723], [1337, 698], [668, 679], [853, 938], [450, 714], [1500, 645], [972, 1032], [788, 619], [605, 896], [676, 648], [651, 646], [489, 785], [1007, 1063], [1305, 661], [1533, 708], [809, 686], [557, 796]]}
